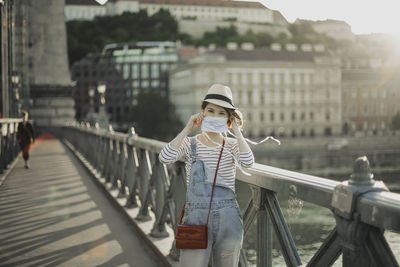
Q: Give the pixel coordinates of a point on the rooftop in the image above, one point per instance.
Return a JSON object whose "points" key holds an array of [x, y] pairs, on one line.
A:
{"points": [[82, 3], [221, 3], [265, 53]]}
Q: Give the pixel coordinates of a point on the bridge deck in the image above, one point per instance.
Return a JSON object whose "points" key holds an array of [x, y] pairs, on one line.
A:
{"points": [[53, 214]]}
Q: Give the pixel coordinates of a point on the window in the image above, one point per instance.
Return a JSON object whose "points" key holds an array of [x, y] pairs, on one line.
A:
{"points": [[302, 78], [155, 71], [249, 78], [282, 78], [135, 71], [262, 78], [293, 116], [155, 83], [239, 76], [144, 71], [261, 116], [282, 116], [272, 117], [311, 77], [311, 115], [125, 73], [230, 80], [292, 78], [145, 83], [272, 78], [249, 97]]}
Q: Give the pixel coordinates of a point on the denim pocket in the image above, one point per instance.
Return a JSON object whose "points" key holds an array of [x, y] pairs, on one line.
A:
{"points": [[195, 216]]}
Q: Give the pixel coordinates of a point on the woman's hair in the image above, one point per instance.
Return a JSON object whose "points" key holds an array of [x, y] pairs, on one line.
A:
{"points": [[232, 113], [24, 113]]}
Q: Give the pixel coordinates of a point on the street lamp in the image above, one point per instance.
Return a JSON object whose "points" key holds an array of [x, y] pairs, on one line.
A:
{"points": [[101, 88], [15, 87], [90, 115], [102, 118]]}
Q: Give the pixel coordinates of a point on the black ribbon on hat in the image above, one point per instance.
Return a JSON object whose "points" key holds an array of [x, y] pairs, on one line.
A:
{"points": [[219, 97]]}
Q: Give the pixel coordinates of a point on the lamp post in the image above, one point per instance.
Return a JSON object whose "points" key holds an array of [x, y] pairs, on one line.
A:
{"points": [[102, 118], [90, 117], [15, 88]]}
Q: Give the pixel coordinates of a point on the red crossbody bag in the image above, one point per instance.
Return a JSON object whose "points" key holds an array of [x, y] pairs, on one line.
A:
{"points": [[195, 236]]}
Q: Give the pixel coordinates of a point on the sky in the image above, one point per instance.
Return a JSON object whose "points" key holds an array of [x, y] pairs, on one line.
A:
{"points": [[364, 16]]}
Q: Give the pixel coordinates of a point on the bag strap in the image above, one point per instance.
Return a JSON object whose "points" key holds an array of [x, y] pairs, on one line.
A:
{"points": [[212, 192]]}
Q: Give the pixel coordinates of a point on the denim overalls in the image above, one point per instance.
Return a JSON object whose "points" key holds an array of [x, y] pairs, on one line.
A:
{"points": [[225, 227]]}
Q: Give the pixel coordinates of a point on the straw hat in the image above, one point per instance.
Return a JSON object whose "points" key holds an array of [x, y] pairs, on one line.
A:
{"points": [[220, 95]]}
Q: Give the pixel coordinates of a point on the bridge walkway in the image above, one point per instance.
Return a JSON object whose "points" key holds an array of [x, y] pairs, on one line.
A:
{"points": [[53, 214]]}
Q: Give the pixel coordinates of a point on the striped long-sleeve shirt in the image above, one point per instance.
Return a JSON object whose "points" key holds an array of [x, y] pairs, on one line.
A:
{"points": [[209, 155]]}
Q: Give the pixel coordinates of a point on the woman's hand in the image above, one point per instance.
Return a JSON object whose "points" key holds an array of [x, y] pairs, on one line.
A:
{"points": [[235, 126], [194, 122]]}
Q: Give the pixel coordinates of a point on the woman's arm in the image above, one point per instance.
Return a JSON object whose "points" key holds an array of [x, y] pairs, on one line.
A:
{"points": [[180, 145], [243, 146]]}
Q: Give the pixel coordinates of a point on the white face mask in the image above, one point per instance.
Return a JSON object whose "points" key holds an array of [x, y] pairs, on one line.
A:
{"points": [[214, 124]]}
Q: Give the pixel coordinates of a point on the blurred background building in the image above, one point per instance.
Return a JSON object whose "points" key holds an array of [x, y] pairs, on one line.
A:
{"points": [[284, 91], [371, 98], [194, 17], [127, 70]]}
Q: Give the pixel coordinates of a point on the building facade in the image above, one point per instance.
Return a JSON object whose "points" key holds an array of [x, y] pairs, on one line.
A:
{"points": [[286, 91], [83, 9], [194, 17], [335, 29], [127, 69], [371, 98]]}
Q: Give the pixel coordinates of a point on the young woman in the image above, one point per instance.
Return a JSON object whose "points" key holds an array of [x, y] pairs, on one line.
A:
{"points": [[200, 154]]}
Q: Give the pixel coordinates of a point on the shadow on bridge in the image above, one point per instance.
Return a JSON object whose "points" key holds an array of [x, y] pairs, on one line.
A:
{"points": [[53, 214]]}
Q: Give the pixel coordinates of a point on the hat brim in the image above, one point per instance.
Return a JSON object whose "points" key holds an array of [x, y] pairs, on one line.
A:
{"points": [[220, 103]]}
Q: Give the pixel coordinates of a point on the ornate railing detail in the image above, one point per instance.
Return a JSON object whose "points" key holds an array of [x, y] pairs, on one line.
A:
{"points": [[363, 208]]}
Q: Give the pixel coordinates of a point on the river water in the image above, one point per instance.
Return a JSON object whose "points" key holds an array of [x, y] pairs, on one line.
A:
{"points": [[309, 225]]}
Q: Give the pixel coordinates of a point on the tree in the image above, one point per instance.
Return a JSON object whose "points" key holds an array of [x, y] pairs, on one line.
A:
{"points": [[396, 121], [91, 36], [155, 117]]}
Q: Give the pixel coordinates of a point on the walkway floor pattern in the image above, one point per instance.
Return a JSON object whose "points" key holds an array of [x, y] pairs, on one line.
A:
{"points": [[54, 215]]}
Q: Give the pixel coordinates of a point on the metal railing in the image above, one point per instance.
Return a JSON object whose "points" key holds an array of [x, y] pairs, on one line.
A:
{"points": [[363, 208], [9, 148]]}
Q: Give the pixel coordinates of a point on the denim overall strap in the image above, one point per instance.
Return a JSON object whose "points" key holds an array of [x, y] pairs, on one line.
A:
{"points": [[193, 148], [215, 179]]}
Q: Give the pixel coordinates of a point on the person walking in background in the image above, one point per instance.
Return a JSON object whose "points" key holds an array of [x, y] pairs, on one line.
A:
{"points": [[202, 154], [26, 136]]}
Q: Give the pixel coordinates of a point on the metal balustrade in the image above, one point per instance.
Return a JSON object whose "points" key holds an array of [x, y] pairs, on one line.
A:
{"points": [[9, 147], [362, 211]]}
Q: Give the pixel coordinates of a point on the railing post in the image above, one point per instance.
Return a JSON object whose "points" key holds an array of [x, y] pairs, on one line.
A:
{"points": [[122, 169], [131, 176], [363, 245], [145, 173], [176, 197], [160, 184], [264, 229]]}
